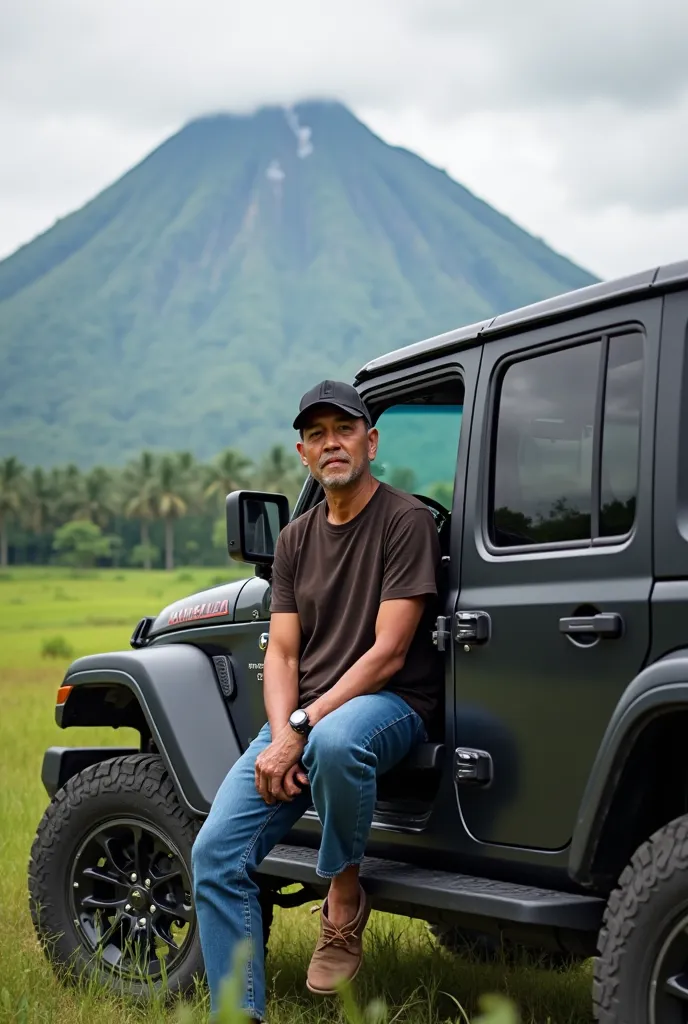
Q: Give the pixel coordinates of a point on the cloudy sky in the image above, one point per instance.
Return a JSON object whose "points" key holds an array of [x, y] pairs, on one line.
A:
{"points": [[570, 118]]}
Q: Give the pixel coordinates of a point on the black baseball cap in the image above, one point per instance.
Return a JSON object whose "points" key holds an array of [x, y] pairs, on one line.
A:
{"points": [[332, 392]]}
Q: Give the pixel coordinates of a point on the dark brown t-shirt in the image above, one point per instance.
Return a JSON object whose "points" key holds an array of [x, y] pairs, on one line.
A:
{"points": [[335, 577]]}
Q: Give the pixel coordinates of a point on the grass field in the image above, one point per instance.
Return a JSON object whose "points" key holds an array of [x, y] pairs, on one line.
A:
{"points": [[96, 612]]}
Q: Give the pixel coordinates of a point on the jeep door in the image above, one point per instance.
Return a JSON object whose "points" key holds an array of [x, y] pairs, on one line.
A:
{"points": [[557, 553]]}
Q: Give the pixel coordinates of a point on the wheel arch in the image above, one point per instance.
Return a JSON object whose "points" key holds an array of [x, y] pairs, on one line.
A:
{"points": [[171, 695], [639, 780]]}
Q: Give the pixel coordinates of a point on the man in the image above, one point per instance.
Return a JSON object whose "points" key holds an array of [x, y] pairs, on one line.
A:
{"points": [[348, 689]]}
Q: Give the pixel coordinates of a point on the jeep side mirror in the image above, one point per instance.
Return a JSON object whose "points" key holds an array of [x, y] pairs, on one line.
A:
{"points": [[254, 521]]}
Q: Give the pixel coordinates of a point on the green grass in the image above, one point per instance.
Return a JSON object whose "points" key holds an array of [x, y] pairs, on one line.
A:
{"points": [[96, 612]]}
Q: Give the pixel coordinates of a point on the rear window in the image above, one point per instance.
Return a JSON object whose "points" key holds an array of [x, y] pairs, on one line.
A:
{"points": [[565, 456]]}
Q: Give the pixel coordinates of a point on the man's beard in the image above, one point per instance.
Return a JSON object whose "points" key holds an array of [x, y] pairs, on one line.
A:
{"points": [[339, 482]]}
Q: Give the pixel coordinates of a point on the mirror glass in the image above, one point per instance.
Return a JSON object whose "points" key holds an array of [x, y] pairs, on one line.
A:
{"points": [[261, 522]]}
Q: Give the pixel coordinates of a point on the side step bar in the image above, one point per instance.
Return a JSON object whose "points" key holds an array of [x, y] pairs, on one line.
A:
{"points": [[389, 881]]}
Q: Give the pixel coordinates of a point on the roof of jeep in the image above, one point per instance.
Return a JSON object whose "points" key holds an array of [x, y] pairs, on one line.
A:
{"points": [[659, 279]]}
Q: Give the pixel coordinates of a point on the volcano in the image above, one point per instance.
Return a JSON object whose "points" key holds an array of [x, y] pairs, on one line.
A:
{"points": [[191, 303]]}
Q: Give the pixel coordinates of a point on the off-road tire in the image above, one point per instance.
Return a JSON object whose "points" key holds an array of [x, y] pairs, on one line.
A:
{"points": [[138, 785], [652, 892], [488, 949]]}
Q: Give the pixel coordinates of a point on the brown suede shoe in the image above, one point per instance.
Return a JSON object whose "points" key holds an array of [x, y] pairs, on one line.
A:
{"points": [[339, 952]]}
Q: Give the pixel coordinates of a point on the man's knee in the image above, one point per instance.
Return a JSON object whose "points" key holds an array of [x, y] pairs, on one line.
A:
{"points": [[330, 748]]}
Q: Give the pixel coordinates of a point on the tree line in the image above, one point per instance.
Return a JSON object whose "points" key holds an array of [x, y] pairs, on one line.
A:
{"points": [[157, 510]]}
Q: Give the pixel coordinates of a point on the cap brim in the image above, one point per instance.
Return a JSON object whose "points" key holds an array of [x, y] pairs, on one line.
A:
{"points": [[298, 422]]}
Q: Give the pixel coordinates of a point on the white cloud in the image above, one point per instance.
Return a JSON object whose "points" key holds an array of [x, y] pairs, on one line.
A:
{"points": [[572, 119], [53, 164], [606, 195], [275, 173]]}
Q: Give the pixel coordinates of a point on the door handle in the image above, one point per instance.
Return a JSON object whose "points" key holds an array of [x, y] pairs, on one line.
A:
{"points": [[607, 625]]}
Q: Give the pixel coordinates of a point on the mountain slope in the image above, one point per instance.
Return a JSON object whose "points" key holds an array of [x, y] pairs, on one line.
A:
{"points": [[190, 304]]}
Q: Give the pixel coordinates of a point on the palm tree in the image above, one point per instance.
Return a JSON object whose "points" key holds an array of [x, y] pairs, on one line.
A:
{"points": [[139, 481], [67, 484], [38, 514], [95, 498], [225, 474], [11, 493], [171, 496], [280, 471], [190, 476], [40, 501]]}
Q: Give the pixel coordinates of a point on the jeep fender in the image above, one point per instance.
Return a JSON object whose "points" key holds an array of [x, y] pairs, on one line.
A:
{"points": [[658, 690], [177, 698]]}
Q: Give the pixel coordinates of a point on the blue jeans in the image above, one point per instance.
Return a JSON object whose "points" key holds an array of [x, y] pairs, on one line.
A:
{"points": [[344, 753]]}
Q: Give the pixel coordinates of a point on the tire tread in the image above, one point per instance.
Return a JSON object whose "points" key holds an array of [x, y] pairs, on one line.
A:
{"points": [[653, 863]]}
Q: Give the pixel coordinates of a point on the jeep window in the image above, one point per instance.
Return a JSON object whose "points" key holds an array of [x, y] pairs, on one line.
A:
{"points": [[621, 435], [552, 419], [419, 439]]}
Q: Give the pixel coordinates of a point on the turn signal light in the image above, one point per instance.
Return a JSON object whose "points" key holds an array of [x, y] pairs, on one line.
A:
{"points": [[63, 693]]}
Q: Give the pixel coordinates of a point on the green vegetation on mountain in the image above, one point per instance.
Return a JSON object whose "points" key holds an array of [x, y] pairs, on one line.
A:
{"points": [[191, 303]]}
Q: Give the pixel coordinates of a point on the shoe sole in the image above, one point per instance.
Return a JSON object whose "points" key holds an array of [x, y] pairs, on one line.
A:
{"points": [[331, 991]]}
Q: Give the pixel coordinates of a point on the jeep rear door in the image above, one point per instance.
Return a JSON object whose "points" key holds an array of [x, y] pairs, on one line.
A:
{"points": [[557, 552]]}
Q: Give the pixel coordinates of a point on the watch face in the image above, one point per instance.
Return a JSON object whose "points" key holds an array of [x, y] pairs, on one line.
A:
{"points": [[299, 719]]}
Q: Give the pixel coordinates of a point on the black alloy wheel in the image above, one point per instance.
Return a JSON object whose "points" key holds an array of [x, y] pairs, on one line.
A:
{"points": [[130, 897]]}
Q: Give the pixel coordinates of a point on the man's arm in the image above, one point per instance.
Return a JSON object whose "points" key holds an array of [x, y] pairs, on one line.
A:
{"points": [[412, 557], [281, 669], [277, 773], [395, 627], [276, 770]]}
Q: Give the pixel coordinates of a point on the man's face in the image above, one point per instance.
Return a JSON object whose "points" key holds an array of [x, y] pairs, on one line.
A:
{"points": [[337, 448]]}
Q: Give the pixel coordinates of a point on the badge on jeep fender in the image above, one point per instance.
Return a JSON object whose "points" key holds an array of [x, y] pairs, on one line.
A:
{"points": [[193, 612]]}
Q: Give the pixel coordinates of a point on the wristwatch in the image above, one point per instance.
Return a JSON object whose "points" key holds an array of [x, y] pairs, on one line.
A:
{"points": [[300, 722]]}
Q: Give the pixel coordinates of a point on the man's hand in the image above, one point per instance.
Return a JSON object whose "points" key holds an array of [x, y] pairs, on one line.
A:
{"points": [[277, 767], [294, 781]]}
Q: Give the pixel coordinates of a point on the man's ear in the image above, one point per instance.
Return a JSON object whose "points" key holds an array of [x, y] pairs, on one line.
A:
{"points": [[373, 442], [299, 448]]}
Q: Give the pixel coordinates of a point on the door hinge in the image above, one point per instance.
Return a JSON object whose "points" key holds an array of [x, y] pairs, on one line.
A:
{"points": [[441, 633], [469, 628]]}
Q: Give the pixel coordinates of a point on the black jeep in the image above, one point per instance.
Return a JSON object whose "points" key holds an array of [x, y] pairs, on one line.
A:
{"points": [[550, 808]]}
